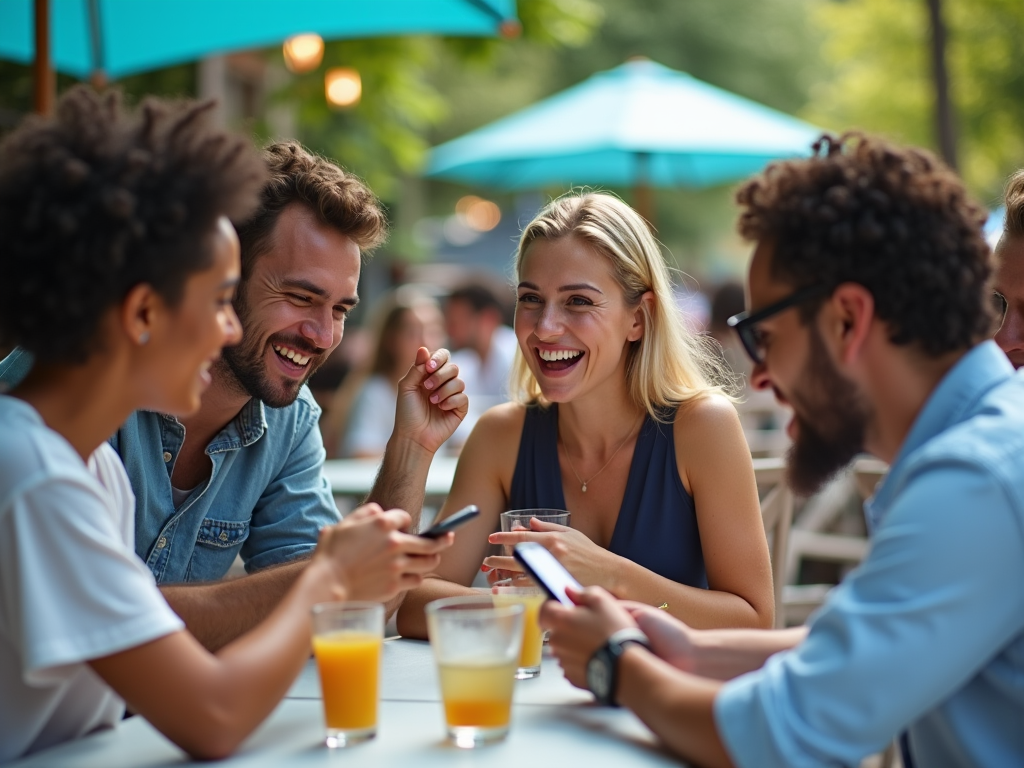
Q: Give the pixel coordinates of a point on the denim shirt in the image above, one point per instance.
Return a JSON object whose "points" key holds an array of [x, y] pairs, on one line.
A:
{"points": [[266, 497], [927, 634]]}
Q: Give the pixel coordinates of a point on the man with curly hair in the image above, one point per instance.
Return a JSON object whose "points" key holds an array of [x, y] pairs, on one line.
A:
{"points": [[1009, 286], [243, 476], [869, 296]]}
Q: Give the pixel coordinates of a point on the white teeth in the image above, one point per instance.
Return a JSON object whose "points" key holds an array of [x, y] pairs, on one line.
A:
{"points": [[560, 354], [291, 354]]}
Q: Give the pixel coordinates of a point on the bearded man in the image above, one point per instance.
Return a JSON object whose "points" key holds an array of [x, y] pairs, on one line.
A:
{"points": [[870, 300]]}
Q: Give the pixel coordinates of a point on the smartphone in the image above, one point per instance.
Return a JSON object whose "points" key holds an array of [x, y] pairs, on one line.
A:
{"points": [[451, 522], [544, 569]]}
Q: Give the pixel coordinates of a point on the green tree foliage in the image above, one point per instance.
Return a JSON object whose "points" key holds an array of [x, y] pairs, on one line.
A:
{"points": [[879, 78]]}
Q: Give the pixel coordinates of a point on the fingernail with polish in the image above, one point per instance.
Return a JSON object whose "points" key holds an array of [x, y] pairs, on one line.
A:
{"points": [[484, 568]]}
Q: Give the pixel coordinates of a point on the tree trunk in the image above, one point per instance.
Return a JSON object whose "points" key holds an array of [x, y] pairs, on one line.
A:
{"points": [[943, 105]]}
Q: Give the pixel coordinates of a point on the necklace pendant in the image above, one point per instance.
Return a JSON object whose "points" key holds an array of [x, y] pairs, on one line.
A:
{"points": [[584, 489]]}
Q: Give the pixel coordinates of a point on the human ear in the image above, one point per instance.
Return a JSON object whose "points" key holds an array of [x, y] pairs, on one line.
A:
{"points": [[640, 314], [853, 311], [140, 312]]}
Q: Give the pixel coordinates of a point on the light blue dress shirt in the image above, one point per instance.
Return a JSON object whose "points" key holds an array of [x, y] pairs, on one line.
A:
{"points": [[266, 498], [927, 635]]}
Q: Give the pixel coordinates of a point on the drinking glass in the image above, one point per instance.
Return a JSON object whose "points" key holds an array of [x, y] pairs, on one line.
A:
{"points": [[518, 519], [524, 592], [347, 640], [476, 644]]}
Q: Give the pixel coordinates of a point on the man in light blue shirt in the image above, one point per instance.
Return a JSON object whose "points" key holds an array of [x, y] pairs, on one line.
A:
{"points": [[869, 296], [244, 475]]}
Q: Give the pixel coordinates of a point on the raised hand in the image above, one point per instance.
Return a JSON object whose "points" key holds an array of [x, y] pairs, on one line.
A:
{"points": [[371, 557], [584, 559], [431, 400]]}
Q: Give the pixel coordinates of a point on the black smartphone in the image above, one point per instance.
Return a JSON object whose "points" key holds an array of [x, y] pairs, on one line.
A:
{"points": [[451, 522], [544, 569]]}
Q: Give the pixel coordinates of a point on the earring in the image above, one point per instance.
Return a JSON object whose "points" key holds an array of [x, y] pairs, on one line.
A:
{"points": [[144, 338]]}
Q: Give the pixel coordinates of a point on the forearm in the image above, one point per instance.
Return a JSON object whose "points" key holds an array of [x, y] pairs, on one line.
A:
{"points": [[412, 617], [402, 478], [699, 608], [676, 706], [217, 613], [727, 653]]}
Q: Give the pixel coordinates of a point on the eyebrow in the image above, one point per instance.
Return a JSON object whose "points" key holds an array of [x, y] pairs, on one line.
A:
{"points": [[564, 288], [316, 290]]}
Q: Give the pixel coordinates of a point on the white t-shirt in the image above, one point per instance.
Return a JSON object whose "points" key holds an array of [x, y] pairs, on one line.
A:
{"points": [[71, 586], [372, 418]]}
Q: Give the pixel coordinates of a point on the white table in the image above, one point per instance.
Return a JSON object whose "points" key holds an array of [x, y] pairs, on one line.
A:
{"points": [[553, 724], [354, 477]]}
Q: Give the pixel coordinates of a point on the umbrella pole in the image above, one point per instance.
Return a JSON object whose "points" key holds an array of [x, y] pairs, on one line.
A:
{"points": [[643, 197], [44, 81]]}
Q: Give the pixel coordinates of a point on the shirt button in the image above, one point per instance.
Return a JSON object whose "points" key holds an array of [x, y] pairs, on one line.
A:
{"points": [[167, 456], [161, 542], [223, 536]]}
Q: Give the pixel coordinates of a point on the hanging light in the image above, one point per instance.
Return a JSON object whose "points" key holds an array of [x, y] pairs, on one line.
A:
{"points": [[343, 86], [303, 53]]}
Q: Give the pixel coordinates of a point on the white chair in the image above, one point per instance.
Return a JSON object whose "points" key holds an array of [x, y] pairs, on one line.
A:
{"points": [[777, 516]]}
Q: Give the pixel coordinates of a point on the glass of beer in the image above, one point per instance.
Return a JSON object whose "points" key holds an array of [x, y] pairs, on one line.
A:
{"points": [[347, 640], [476, 645], [523, 591]]}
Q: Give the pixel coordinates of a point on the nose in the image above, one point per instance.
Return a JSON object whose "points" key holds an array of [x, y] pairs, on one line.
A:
{"points": [[232, 327], [549, 321], [759, 378], [1010, 336], [320, 329]]}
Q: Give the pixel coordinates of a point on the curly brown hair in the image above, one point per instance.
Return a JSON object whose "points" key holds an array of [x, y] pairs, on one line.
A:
{"points": [[893, 219], [95, 200], [338, 198], [1013, 225]]}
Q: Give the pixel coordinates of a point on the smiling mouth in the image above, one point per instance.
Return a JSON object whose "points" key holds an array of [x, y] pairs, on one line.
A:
{"points": [[291, 356], [559, 359]]}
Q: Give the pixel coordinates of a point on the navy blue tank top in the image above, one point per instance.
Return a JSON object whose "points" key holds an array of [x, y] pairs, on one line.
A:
{"points": [[657, 523]]}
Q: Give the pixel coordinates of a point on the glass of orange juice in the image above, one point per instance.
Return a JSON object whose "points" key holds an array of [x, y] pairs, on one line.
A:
{"points": [[476, 644], [531, 597], [347, 640]]}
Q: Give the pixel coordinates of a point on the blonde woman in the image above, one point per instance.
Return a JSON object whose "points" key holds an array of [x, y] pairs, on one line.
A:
{"points": [[618, 420]]}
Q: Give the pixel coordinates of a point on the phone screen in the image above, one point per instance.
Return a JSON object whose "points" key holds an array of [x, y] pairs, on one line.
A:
{"points": [[546, 570]]}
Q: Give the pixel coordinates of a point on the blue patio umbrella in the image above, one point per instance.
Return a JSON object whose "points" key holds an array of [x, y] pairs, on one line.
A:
{"points": [[640, 124], [123, 37]]}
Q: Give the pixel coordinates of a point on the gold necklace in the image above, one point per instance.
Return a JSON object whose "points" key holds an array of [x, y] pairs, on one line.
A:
{"points": [[614, 454]]}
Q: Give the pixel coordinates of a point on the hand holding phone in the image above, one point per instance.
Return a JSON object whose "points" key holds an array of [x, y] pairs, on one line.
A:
{"points": [[544, 569], [451, 522]]}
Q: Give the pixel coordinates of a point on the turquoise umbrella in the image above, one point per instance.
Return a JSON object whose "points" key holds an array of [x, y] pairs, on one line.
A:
{"points": [[122, 37], [640, 124]]}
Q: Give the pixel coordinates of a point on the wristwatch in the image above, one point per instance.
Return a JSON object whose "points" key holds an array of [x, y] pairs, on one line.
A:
{"points": [[603, 667]]}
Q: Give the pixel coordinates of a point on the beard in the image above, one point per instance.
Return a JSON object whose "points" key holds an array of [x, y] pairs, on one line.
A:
{"points": [[831, 418], [246, 364]]}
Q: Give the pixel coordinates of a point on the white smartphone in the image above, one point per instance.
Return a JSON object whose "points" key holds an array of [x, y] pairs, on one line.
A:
{"points": [[544, 569]]}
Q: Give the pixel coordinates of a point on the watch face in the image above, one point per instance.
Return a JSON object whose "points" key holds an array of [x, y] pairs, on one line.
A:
{"points": [[599, 676]]}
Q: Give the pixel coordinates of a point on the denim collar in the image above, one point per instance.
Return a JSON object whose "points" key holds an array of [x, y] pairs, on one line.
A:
{"points": [[974, 374], [245, 429]]}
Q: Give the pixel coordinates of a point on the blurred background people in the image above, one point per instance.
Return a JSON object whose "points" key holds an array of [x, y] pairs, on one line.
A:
{"points": [[483, 347], [361, 416], [1009, 284]]}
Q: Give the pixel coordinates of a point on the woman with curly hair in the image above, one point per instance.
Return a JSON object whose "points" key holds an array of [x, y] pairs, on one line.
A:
{"points": [[620, 420], [119, 263]]}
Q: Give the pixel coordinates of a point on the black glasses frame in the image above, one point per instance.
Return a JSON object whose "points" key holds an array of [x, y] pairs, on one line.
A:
{"points": [[745, 323]]}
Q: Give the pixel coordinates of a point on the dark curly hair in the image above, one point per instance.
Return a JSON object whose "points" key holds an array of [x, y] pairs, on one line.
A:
{"points": [[1014, 198], [338, 198], [892, 219], [95, 201]]}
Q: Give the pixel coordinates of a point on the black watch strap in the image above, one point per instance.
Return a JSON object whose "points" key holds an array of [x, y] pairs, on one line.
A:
{"points": [[603, 667]]}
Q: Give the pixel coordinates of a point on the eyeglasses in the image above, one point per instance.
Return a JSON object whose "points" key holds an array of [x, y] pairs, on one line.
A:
{"points": [[999, 305], [745, 324]]}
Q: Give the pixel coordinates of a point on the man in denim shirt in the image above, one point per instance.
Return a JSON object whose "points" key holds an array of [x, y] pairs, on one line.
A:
{"points": [[870, 299], [244, 474]]}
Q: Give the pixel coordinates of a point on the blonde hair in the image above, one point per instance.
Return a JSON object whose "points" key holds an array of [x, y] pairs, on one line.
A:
{"points": [[668, 365]]}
